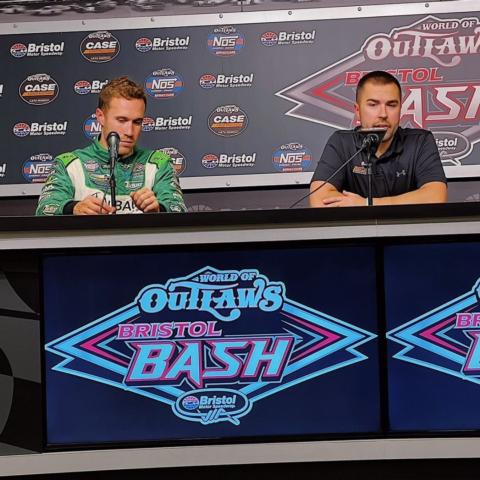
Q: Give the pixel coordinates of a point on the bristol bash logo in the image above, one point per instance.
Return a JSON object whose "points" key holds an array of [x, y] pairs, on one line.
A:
{"points": [[210, 344], [436, 62], [445, 339]]}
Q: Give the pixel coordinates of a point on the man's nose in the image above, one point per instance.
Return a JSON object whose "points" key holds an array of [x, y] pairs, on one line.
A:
{"points": [[128, 129], [382, 112]]}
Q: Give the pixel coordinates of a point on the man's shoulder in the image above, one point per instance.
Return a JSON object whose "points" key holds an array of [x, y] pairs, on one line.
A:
{"points": [[414, 133], [342, 134], [67, 158], [342, 137]]}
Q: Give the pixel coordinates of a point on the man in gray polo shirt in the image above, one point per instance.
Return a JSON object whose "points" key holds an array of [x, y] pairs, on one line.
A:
{"points": [[406, 165]]}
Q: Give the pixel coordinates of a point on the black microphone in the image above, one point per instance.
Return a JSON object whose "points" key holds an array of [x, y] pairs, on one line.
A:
{"points": [[372, 136], [113, 142]]}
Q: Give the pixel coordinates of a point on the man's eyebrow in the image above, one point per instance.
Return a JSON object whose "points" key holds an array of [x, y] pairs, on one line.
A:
{"points": [[393, 100]]}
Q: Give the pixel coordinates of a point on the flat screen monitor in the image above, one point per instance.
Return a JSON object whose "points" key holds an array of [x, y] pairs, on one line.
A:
{"points": [[191, 345], [433, 328]]}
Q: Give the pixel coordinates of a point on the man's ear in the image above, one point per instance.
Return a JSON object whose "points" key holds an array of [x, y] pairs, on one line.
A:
{"points": [[357, 114], [100, 116]]}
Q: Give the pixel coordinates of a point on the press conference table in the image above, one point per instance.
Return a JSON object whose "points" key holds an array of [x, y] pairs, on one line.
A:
{"points": [[136, 232], [69, 232]]}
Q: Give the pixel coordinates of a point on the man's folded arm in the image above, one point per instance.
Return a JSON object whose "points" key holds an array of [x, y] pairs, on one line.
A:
{"points": [[325, 190], [431, 192]]}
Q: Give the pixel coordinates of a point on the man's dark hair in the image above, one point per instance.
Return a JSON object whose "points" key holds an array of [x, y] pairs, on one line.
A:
{"points": [[121, 87], [378, 76]]}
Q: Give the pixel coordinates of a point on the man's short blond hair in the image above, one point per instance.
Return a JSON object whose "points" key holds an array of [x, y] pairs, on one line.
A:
{"points": [[121, 87]]}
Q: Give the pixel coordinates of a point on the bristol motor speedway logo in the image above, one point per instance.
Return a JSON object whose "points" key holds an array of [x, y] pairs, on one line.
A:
{"points": [[210, 344], [435, 61], [445, 339]]}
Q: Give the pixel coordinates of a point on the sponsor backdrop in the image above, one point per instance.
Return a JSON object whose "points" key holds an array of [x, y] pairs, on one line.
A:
{"points": [[241, 102]]}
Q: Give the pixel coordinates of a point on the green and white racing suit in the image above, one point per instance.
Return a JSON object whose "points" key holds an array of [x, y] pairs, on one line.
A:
{"points": [[86, 171]]}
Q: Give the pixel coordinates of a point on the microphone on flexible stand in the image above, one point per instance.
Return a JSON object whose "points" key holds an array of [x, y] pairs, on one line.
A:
{"points": [[113, 142], [372, 138]]}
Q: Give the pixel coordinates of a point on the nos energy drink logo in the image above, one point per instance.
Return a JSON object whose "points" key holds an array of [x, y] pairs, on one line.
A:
{"points": [[92, 127], [195, 343], [292, 157], [446, 338], [38, 167], [164, 83], [225, 41]]}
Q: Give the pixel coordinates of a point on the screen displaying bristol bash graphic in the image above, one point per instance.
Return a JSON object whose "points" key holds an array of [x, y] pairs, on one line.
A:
{"points": [[176, 346], [433, 323]]}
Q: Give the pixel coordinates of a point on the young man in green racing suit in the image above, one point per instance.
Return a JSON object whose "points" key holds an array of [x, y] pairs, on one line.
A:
{"points": [[145, 179]]}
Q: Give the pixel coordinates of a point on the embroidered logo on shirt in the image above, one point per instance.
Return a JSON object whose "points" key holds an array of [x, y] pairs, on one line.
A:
{"points": [[360, 170], [401, 173]]}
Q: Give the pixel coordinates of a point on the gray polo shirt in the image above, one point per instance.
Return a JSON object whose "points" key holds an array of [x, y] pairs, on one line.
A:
{"points": [[411, 161]]}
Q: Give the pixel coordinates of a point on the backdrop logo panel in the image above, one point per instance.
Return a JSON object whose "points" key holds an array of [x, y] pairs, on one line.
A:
{"points": [[38, 167], [170, 123], [272, 39], [227, 121], [20, 50], [162, 44], [92, 127], [84, 87], [229, 160], [36, 129], [38, 89], [225, 41], [164, 84], [210, 344], [445, 339], [435, 60], [220, 80], [292, 157], [100, 47]]}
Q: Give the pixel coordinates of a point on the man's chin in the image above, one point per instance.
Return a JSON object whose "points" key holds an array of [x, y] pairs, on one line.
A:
{"points": [[125, 152]]}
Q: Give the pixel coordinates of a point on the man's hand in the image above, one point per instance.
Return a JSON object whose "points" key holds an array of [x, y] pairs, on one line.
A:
{"points": [[92, 206], [145, 200], [345, 199]]}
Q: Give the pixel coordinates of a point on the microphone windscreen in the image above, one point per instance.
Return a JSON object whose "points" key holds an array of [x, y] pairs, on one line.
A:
{"points": [[113, 139], [377, 133]]}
